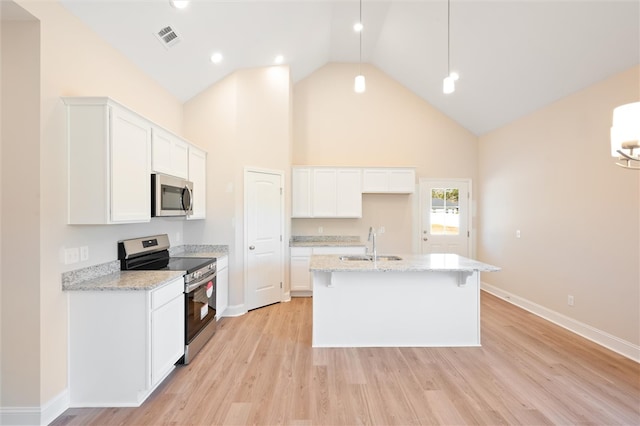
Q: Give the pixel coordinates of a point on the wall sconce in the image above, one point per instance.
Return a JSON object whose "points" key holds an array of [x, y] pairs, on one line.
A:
{"points": [[625, 135]]}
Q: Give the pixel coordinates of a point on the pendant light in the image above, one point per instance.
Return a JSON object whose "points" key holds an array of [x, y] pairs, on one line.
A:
{"points": [[449, 82], [360, 85], [625, 135]]}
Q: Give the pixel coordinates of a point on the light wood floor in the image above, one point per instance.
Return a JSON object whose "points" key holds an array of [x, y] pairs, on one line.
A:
{"points": [[260, 369]]}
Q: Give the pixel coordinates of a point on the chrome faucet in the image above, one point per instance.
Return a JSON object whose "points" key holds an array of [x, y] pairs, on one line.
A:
{"points": [[372, 236]]}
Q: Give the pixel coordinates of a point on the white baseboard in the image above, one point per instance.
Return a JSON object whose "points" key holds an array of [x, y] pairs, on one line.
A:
{"points": [[43, 415], [235, 310], [609, 341]]}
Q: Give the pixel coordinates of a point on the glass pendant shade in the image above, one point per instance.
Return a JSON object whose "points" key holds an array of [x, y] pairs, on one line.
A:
{"points": [[448, 85], [625, 131], [360, 85]]}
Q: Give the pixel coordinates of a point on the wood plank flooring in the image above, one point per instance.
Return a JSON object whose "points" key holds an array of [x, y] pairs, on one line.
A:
{"points": [[261, 369]]}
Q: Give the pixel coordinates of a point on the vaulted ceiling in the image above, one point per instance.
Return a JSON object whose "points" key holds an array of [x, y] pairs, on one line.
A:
{"points": [[513, 56]]}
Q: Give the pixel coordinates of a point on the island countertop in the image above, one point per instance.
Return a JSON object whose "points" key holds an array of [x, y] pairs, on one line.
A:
{"points": [[408, 263]]}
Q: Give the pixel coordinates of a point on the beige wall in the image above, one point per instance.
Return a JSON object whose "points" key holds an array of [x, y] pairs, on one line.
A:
{"points": [[551, 175], [73, 62], [20, 227], [242, 121], [386, 126]]}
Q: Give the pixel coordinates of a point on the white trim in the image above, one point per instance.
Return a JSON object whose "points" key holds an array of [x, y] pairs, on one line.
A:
{"points": [[281, 175], [470, 214], [602, 338], [235, 310], [36, 415]]}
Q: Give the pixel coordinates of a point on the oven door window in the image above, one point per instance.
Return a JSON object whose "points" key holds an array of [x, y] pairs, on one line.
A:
{"points": [[200, 308]]}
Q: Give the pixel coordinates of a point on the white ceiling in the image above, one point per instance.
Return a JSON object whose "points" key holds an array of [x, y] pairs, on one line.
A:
{"points": [[513, 56]]}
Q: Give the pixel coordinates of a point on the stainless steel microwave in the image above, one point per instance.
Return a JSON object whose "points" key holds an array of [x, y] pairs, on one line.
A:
{"points": [[171, 196]]}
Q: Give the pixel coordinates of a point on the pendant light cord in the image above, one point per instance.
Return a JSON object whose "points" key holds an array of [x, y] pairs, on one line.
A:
{"points": [[448, 37], [360, 66]]}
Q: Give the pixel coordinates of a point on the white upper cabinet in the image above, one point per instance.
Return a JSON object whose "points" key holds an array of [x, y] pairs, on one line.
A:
{"points": [[326, 192], [169, 154], [301, 192], [198, 175], [112, 153], [380, 180], [109, 151]]}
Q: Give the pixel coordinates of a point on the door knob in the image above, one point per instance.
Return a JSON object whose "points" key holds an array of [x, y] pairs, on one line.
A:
{"points": [[425, 239], [252, 247]]}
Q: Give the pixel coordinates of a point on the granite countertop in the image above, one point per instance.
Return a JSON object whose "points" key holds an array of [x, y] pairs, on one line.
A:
{"points": [[125, 280], [108, 277], [326, 241], [408, 263]]}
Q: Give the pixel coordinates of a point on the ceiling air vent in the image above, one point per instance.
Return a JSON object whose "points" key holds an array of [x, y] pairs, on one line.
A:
{"points": [[168, 36]]}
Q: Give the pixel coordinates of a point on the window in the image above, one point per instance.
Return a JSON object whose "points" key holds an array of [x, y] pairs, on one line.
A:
{"points": [[445, 213]]}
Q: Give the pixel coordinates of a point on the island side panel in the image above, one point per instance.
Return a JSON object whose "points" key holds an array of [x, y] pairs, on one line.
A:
{"points": [[393, 309]]}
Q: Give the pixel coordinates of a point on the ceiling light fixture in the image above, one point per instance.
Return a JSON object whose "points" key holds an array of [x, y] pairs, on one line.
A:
{"points": [[216, 58], [360, 85], [625, 135], [179, 4], [449, 82], [278, 60]]}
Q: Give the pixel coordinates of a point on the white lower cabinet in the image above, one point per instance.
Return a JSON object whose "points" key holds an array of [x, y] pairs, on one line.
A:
{"points": [[122, 344], [222, 285], [300, 257]]}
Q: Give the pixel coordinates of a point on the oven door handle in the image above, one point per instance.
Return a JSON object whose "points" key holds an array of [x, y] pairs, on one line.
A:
{"points": [[191, 287]]}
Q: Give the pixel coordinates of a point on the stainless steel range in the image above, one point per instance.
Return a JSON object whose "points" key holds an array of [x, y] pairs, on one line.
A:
{"points": [[152, 253]]}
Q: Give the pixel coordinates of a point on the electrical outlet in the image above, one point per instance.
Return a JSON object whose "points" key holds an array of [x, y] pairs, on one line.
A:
{"points": [[178, 237], [71, 255], [84, 253], [381, 230], [570, 300], [320, 229]]}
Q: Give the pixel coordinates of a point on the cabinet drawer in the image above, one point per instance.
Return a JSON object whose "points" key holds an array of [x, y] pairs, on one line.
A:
{"points": [[301, 251], [339, 250], [162, 295]]}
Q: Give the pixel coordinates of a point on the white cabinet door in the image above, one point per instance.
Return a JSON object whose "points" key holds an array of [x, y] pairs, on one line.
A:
{"points": [[109, 152], [382, 180], [169, 154], [375, 180], [167, 337], [324, 192], [402, 181], [301, 192], [222, 286], [348, 193], [130, 167], [300, 276], [198, 175]]}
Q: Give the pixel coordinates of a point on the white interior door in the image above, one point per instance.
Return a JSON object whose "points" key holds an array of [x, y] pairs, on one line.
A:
{"points": [[444, 216], [264, 221]]}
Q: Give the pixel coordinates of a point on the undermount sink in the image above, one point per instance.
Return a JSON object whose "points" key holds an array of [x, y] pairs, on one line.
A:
{"points": [[369, 258]]}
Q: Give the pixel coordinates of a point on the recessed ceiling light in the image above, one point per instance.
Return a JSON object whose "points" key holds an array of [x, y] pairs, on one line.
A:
{"points": [[278, 60], [216, 58], [357, 27], [179, 4]]}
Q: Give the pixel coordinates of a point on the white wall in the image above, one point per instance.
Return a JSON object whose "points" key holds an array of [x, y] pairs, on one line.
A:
{"points": [[551, 175], [242, 121], [388, 125], [73, 61], [20, 217]]}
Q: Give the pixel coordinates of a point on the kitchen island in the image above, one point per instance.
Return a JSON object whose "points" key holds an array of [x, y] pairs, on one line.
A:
{"points": [[418, 301]]}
